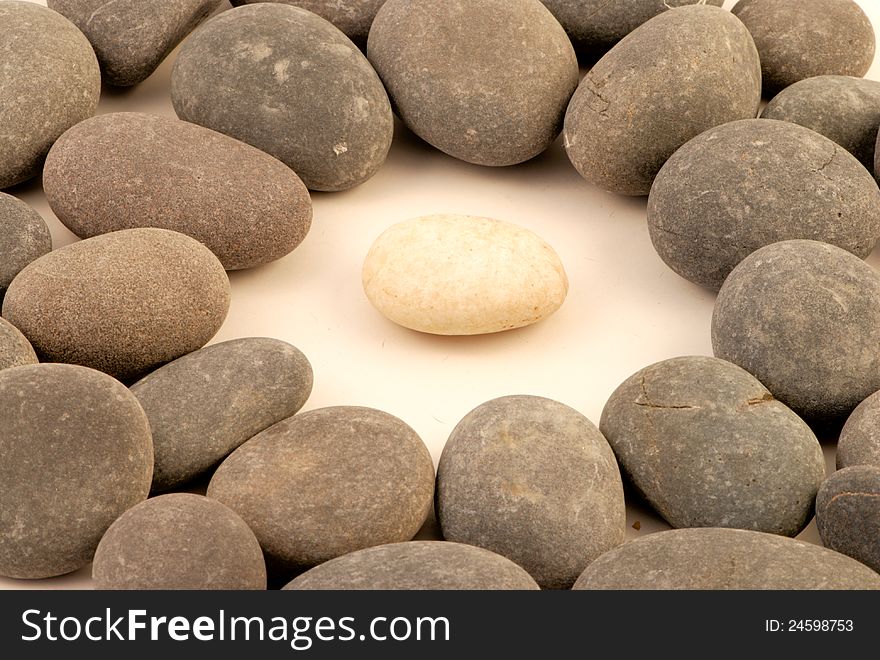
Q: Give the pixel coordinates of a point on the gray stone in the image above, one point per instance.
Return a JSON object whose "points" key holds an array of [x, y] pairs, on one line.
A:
{"points": [[76, 454], [803, 317], [15, 349], [747, 184], [288, 82], [486, 82], [724, 559], [416, 565], [848, 513], [132, 37], [123, 303], [859, 442], [24, 236], [328, 482], [534, 481], [817, 38], [681, 73], [205, 404], [50, 71], [128, 170], [179, 541], [708, 446]]}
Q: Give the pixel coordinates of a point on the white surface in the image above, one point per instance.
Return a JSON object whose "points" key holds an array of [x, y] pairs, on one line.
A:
{"points": [[625, 308]]}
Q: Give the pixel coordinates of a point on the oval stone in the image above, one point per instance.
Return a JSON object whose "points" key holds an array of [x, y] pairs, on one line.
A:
{"points": [[129, 170], [50, 70], [486, 82], [724, 559], [288, 82], [463, 275], [76, 454], [205, 404], [122, 303], [859, 442], [15, 349], [848, 513], [679, 74], [24, 237]]}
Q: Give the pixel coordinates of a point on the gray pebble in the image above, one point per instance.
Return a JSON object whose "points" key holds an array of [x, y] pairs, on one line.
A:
{"points": [[534, 481], [724, 559], [24, 236], [122, 303], [127, 170], [132, 37], [679, 74], [486, 82], [848, 513], [15, 349], [76, 454], [416, 565], [179, 541], [859, 442], [50, 71], [328, 482], [709, 446], [816, 38], [803, 317], [289, 83], [205, 404], [747, 184]]}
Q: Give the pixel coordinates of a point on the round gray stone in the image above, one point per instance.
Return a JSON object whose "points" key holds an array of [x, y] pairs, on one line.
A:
{"points": [[859, 442], [848, 513], [288, 82], [24, 236], [123, 303], [724, 559], [750, 183], [179, 541], [51, 72], [205, 404], [15, 349], [328, 482], [803, 317], [534, 481], [681, 73], [416, 565], [76, 454], [817, 38], [486, 82]]}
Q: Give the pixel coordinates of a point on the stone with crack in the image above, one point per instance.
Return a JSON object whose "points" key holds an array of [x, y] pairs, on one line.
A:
{"points": [[848, 513]]}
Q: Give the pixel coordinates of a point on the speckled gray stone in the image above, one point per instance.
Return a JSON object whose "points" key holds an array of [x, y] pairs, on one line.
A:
{"points": [[708, 446], [15, 349], [750, 183], [416, 565], [803, 317], [534, 481], [724, 559], [24, 236], [328, 482], [76, 453], [859, 442], [848, 513], [122, 303], [132, 37], [288, 82], [179, 541], [127, 170], [679, 74], [205, 404], [486, 82], [818, 37], [50, 71]]}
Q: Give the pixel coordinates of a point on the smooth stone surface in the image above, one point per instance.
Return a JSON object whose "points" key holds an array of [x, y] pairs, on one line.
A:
{"points": [[859, 442], [205, 404], [486, 82], [804, 318], [328, 482], [463, 275], [708, 446], [129, 170], [15, 349], [76, 454], [681, 73], [51, 71], [724, 559], [132, 37], [534, 481], [820, 37], [179, 541], [289, 83], [848, 513], [24, 236], [122, 303], [747, 184], [416, 565]]}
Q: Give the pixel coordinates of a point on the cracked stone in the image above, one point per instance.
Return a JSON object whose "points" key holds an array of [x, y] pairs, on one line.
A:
{"points": [[848, 513]]}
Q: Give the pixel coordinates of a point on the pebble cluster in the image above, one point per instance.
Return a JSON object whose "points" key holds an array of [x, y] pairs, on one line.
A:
{"points": [[112, 402]]}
